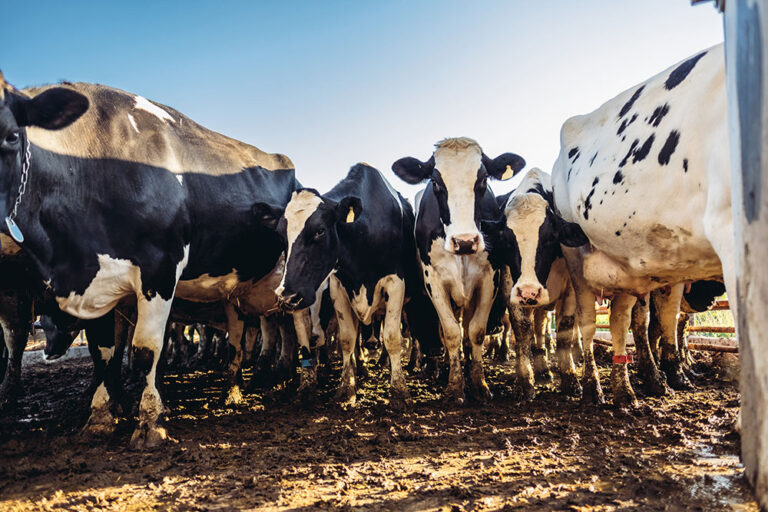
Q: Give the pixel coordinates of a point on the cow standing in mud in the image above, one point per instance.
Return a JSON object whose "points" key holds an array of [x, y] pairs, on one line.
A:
{"points": [[526, 242], [457, 272], [647, 177], [125, 197]]}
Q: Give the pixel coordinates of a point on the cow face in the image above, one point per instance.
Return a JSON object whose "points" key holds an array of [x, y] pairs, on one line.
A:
{"points": [[52, 109], [459, 172], [311, 226], [528, 240]]}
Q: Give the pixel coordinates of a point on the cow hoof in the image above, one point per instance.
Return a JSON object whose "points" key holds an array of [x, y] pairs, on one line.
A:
{"points": [[592, 393], [454, 395], [543, 376], [346, 395], [9, 395], [146, 437], [307, 384], [676, 378], [523, 390], [400, 400], [234, 396], [569, 385], [656, 384], [482, 394], [100, 424]]}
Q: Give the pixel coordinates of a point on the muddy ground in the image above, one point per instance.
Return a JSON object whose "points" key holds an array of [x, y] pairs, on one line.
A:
{"points": [[274, 453]]}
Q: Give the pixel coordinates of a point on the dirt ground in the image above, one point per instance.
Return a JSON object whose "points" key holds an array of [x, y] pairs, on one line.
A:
{"points": [[274, 453]]}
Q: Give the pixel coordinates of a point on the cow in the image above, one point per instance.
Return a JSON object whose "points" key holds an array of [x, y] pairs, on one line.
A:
{"points": [[116, 197], [457, 272], [647, 178], [358, 236], [527, 241]]}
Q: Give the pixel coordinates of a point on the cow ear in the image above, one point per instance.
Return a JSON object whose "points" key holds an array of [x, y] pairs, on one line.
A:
{"points": [[570, 234], [503, 166], [53, 109], [412, 170], [348, 210], [267, 215]]}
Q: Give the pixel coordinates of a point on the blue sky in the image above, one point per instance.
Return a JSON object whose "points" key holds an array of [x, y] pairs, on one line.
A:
{"points": [[331, 83]]}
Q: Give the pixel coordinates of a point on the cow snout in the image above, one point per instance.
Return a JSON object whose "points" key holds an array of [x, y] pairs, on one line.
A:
{"points": [[528, 295], [465, 244]]}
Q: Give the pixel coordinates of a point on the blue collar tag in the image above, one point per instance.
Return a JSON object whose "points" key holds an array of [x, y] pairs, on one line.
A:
{"points": [[14, 230]]}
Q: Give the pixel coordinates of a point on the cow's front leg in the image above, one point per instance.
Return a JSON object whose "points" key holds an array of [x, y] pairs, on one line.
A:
{"points": [[668, 307], [286, 362], [15, 318], [566, 338], [476, 334], [621, 310], [106, 350], [392, 338], [540, 362], [655, 383], [450, 333], [235, 327], [522, 326], [347, 336], [147, 348], [308, 378], [262, 370]]}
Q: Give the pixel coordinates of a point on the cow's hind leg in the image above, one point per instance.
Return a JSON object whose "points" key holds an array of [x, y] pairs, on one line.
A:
{"points": [[566, 339], [668, 305], [107, 354], [655, 383], [392, 338], [235, 328], [621, 310], [147, 347], [262, 371]]}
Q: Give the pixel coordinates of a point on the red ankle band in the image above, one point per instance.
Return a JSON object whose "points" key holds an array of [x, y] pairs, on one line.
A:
{"points": [[625, 359]]}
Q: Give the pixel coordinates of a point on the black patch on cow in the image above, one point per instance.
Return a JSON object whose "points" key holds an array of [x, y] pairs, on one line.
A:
{"points": [[681, 72], [569, 174], [618, 177], [669, 147], [143, 358], [643, 150], [592, 160], [702, 294], [588, 204], [629, 153], [572, 152], [429, 289], [618, 233], [539, 189], [595, 182], [628, 105], [625, 123], [658, 114], [685, 165]]}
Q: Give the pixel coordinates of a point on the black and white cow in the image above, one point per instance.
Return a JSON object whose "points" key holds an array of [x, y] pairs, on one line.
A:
{"points": [[647, 177], [457, 273], [123, 195], [358, 235], [526, 241]]}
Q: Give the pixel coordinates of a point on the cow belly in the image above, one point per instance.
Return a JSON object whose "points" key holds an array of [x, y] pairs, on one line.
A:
{"points": [[207, 288], [115, 279]]}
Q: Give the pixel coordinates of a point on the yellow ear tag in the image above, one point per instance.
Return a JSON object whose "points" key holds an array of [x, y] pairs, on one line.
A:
{"points": [[351, 215], [507, 174]]}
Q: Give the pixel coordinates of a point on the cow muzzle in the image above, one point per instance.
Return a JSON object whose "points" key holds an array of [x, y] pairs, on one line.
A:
{"points": [[465, 244], [527, 295]]}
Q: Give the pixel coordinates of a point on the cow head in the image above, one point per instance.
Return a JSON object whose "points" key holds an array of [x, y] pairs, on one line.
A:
{"points": [[57, 340], [311, 226], [459, 171], [528, 239], [52, 109]]}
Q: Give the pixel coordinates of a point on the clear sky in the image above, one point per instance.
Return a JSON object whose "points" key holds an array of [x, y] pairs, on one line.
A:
{"points": [[331, 83]]}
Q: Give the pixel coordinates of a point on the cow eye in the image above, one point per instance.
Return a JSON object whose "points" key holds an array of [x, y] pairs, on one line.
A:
{"points": [[320, 233], [12, 138]]}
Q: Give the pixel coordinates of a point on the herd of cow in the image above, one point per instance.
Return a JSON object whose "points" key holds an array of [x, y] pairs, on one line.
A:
{"points": [[122, 212]]}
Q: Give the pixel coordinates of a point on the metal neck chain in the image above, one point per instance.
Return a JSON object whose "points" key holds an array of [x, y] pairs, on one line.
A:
{"points": [[24, 177]]}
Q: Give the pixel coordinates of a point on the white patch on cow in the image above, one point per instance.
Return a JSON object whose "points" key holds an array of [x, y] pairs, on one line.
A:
{"points": [[458, 161], [391, 191], [133, 123], [100, 397], [298, 210], [180, 178], [115, 279], [417, 202], [143, 103], [106, 353], [455, 277]]}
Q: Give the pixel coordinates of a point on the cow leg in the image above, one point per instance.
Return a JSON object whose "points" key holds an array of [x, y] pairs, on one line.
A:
{"points": [[522, 326], [540, 363], [286, 363], [347, 336], [392, 338], [668, 305], [262, 371], [654, 327], [15, 317], [565, 312], [655, 383], [106, 352], [147, 348], [308, 379], [235, 328], [251, 333], [621, 312]]}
